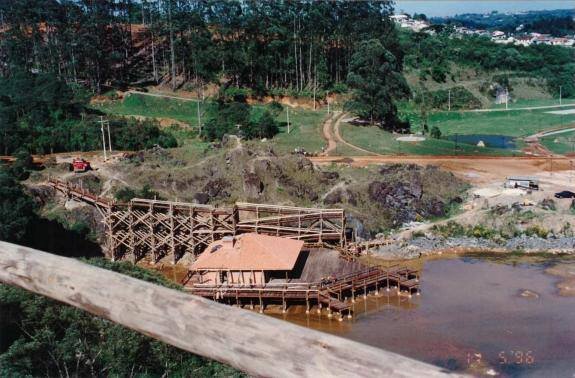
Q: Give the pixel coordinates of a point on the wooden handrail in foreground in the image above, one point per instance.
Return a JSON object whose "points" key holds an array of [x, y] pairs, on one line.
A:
{"points": [[256, 344]]}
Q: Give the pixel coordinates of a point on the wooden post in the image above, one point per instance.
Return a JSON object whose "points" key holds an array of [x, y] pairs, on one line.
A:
{"points": [[261, 302]]}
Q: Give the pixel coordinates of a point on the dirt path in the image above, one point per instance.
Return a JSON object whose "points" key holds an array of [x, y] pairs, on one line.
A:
{"points": [[476, 169], [340, 139], [328, 135]]}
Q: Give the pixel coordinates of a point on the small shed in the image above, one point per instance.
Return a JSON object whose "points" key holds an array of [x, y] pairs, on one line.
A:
{"points": [[522, 182], [247, 259]]}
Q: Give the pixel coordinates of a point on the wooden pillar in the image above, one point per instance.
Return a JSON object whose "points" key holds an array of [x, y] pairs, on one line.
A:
{"points": [[191, 236], [278, 222], [172, 236], [235, 219], [151, 237], [110, 233], [261, 302]]}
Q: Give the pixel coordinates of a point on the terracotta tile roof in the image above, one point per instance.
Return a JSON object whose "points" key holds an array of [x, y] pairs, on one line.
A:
{"points": [[250, 252]]}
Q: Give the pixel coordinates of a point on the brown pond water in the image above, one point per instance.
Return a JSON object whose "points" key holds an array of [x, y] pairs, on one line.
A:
{"points": [[470, 317]]}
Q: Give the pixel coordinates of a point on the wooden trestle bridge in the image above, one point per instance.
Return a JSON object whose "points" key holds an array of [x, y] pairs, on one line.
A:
{"points": [[154, 229], [335, 294]]}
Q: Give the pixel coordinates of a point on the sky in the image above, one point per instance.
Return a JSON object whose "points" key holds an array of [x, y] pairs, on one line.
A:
{"points": [[452, 7]]}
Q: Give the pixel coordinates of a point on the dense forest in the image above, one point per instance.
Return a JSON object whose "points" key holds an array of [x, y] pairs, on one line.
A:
{"points": [[55, 54], [296, 45]]}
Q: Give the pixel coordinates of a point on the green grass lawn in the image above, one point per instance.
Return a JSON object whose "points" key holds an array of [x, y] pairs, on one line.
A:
{"points": [[516, 123], [156, 107], [383, 142], [305, 129], [560, 143]]}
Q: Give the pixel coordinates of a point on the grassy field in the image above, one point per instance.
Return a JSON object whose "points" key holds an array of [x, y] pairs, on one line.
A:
{"points": [[515, 123], [305, 129], [560, 143], [382, 142], [156, 107]]}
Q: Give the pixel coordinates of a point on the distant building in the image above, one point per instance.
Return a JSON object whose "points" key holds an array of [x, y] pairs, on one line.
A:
{"points": [[522, 182], [524, 40], [247, 259], [565, 42], [399, 17], [406, 22]]}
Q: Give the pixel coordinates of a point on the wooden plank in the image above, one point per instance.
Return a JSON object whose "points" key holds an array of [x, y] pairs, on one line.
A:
{"points": [[258, 345]]}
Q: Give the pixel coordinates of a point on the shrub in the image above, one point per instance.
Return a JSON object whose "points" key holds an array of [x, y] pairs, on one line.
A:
{"points": [[127, 194], [537, 230], [480, 231], [449, 229], [435, 133]]}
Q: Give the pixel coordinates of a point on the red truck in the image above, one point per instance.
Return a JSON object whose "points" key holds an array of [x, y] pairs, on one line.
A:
{"points": [[81, 165]]}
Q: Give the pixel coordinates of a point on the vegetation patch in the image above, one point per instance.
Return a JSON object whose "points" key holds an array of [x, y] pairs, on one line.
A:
{"points": [[44, 338]]}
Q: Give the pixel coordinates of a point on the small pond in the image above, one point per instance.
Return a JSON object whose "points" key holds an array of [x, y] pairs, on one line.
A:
{"points": [[475, 314], [491, 141]]}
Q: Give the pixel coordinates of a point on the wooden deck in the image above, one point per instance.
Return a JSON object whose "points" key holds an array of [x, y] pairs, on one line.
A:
{"points": [[336, 294]]}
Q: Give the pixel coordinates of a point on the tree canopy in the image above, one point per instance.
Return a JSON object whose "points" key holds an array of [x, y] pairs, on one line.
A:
{"points": [[376, 81], [42, 337], [292, 45]]}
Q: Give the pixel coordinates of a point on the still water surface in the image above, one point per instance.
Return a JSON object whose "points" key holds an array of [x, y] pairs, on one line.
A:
{"points": [[470, 317]]}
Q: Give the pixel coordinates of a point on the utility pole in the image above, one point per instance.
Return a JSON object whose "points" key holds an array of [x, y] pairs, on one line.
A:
{"points": [[506, 99], [287, 114], [199, 117], [103, 138], [107, 124], [560, 95], [109, 137], [449, 100]]}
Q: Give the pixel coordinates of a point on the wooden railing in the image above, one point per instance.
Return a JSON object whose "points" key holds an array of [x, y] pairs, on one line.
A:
{"points": [[255, 344]]}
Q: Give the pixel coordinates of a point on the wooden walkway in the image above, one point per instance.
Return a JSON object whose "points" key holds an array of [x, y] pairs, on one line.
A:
{"points": [[336, 294]]}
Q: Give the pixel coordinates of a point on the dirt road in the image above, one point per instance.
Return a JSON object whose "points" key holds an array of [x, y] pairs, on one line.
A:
{"points": [[328, 136], [477, 169], [340, 139]]}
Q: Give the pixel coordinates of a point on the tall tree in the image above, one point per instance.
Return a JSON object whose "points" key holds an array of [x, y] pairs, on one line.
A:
{"points": [[376, 81]]}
